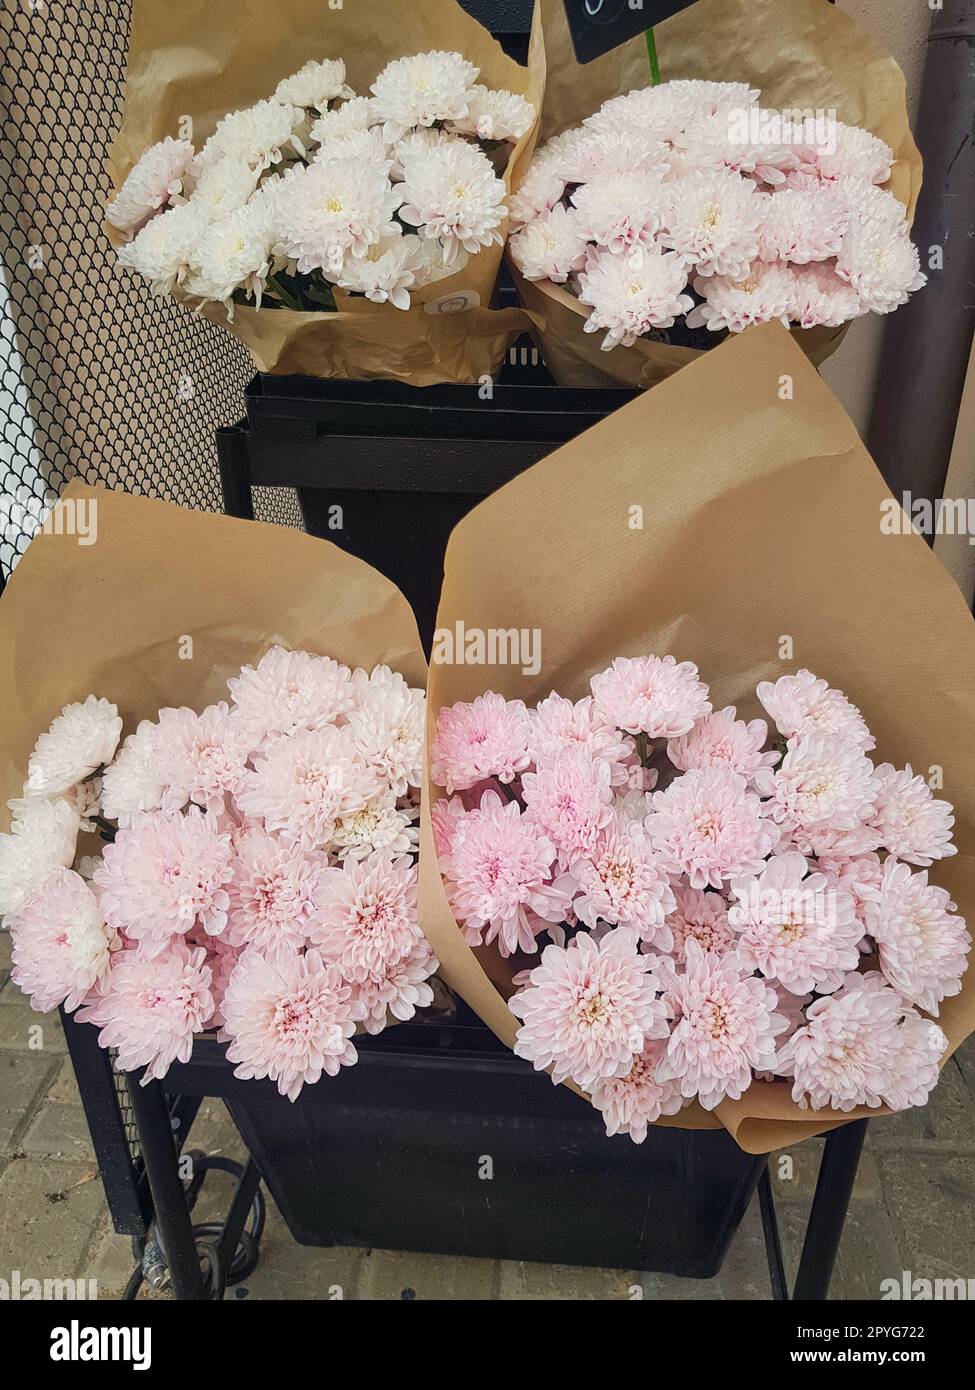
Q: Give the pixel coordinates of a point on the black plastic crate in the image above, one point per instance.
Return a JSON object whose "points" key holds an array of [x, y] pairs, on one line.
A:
{"points": [[391, 1153], [386, 471]]}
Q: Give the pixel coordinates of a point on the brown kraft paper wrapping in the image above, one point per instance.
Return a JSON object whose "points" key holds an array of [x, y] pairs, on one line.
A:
{"points": [[802, 55], [203, 58], [761, 518], [112, 618]]}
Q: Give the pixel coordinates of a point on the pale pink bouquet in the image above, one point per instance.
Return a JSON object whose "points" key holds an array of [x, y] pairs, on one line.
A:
{"points": [[258, 876], [713, 908], [692, 201]]}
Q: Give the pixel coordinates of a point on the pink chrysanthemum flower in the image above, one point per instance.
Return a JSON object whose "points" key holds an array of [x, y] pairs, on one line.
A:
{"points": [[923, 945], [588, 1010], [800, 705], [854, 1050], [164, 875], [760, 295], [60, 944], [487, 738], [149, 1010], [43, 838], [823, 784], [722, 740], [910, 823], [289, 692], [303, 785], [859, 874], [798, 929], [570, 800], [387, 727], [700, 917], [221, 961], [447, 817], [621, 883], [289, 1019], [652, 695], [633, 293], [557, 724], [708, 825], [821, 298], [800, 226], [622, 212], [367, 914], [200, 757], [725, 1026], [499, 873], [397, 987], [630, 1104], [274, 894], [587, 154], [713, 221]]}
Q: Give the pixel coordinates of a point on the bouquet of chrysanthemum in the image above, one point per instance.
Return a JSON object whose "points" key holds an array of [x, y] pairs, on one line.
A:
{"points": [[259, 875], [711, 911], [664, 216], [352, 181], [729, 904], [246, 859]]}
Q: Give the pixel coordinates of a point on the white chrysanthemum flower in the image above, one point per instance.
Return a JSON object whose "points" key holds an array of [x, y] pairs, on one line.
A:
{"points": [[381, 824], [802, 226], [551, 247], [726, 142], [421, 89], [368, 146], [43, 838], [622, 212], [314, 85], [134, 781], [435, 267], [356, 114], [631, 294], [709, 98], [454, 194], [163, 250], [539, 191], [881, 264], [819, 296], [492, 115], [234, 253], [273, 196], [639, 114], [847, 150], [713, 220], [862, 201], [259, 136], [417, 144], [763, 294], [224, 186], [589, 154], [388, 270], [387, 727], [155, 180], [336, 209], [81, 739]]}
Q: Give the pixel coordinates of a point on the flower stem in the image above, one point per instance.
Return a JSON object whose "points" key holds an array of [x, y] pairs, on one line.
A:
{"points": [[654, 63]]}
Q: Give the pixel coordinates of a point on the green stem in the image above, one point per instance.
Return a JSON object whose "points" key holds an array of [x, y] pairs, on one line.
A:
{"points": [[279, 292], [654, 63]]}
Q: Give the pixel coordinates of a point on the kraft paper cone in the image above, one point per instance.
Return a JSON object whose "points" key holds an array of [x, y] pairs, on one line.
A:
{"points": [[761, 519], [802, 55], [199, 59], [112, 618]]}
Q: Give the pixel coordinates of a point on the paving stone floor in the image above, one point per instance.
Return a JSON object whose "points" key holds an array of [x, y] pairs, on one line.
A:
{"points": [[913, 1206]]}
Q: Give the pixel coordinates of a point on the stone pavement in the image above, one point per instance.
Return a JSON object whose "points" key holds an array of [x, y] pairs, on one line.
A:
{"points": [[913, 1206]]}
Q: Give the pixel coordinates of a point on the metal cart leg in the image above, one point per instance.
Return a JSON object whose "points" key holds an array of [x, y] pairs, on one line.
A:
{"points": [[235, 472], [172, 1215], [837, 1173]]}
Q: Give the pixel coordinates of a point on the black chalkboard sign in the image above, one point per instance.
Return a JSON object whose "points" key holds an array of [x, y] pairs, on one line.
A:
{"points": [[599, 25]]}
